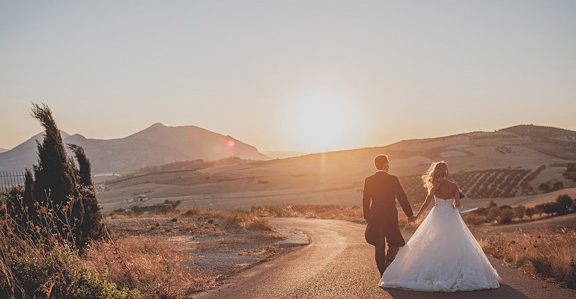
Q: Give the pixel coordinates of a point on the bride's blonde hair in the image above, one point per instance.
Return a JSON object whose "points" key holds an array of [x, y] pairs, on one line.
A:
{"points": [[436, 174]]}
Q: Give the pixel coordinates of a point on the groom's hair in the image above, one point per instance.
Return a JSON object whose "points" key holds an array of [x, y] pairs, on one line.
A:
{"points": [[381, 161]]}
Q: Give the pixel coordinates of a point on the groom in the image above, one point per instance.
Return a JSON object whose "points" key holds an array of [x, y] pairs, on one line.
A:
{"points": [[381, 190]]}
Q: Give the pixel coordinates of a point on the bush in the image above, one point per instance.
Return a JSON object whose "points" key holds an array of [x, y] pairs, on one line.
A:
{"points": [[530, 212], [519, 212], [506, 216], [544, 187], [244, 220], [565, 202], [493, 213], [558, 186], [476, 220], [550, 208]]}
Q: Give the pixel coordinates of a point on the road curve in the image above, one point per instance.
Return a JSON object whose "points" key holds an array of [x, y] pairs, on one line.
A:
{"points": [[338, 263]]}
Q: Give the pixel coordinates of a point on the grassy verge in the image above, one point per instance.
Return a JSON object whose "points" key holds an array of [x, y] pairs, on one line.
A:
{"points": [[544, 252]]}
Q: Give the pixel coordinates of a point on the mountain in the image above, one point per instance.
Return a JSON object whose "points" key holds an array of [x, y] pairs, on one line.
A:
{"points": [[23, 155], [517, 161], [155, 145]]}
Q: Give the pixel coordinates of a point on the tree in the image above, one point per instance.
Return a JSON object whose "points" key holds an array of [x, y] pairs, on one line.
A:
{"points": [[86, 208], [28, 196], [63, 188], [549, 208], [55, 177], [84, 168], [565, 202]]}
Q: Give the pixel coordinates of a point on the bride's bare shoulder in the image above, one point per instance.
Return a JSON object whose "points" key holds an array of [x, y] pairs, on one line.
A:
{"points": [[451, 184]]}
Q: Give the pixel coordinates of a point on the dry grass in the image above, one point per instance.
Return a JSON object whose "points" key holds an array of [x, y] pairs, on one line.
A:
{"points": [[38, 262], [195, 220], [146, 255], [233, 220], [353, 214], [546, 252], [173, 254], [152, 265]]}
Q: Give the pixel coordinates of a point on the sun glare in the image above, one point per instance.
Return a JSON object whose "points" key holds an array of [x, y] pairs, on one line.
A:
{"points": [[323, 121]]}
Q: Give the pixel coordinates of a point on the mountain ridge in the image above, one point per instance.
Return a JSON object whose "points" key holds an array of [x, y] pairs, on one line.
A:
{"points": [[155, 145]]}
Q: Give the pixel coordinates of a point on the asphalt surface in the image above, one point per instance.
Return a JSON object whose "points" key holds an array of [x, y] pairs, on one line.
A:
{"points": [[338, 263]]}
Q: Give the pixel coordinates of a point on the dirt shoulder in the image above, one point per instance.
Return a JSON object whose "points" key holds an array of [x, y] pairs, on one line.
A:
{"points": [[215, 244]]}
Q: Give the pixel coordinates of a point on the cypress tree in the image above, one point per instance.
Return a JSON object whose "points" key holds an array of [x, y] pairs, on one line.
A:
{"points": [[55, 176], [86, 209], [84, 169], [28, 196]]}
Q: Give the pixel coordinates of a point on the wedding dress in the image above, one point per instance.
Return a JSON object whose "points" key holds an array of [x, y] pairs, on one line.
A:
{"points": [[441, 256]]}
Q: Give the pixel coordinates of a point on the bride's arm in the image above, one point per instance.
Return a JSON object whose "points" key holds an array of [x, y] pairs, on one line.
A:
{"points": [[457, 203], [429, 198]]}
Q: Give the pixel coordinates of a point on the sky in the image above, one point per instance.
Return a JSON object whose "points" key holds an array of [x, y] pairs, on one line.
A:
{"points": [[302, 76]]}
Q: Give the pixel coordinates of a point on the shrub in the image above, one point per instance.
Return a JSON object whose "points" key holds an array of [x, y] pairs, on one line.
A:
{"points": [[550, 208], [493, 213], [558, 186], [565, 202], [244, 220], [506, 216], [154, 266], [475, 219], [544, 187], [530, 212], [519, 211]]}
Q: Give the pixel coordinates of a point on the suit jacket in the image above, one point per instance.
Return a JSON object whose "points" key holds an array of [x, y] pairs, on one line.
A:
{"points": [[381, 191]]}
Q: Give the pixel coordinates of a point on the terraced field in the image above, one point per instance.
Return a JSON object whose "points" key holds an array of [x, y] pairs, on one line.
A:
{"points": [[490, 183]]}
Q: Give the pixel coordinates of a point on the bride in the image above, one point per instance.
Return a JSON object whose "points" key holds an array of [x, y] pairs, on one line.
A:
{"points": [[442, 255]]}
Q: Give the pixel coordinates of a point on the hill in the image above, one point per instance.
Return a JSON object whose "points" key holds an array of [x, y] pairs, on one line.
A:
{"points": [[510, 162], [156, 145], [23, 155]]}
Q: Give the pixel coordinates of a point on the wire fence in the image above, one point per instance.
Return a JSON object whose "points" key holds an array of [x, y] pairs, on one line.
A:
{"points": [[11, 180]]}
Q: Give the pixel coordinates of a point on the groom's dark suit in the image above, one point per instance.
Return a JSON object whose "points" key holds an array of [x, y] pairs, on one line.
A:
{"points": [[381, 191]]}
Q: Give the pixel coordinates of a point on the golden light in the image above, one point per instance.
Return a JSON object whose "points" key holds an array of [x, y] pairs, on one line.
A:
{"points": [[323, 121]]}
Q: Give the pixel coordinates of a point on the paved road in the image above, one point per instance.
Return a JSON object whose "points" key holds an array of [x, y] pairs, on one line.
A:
{"points": [[339, 264]]}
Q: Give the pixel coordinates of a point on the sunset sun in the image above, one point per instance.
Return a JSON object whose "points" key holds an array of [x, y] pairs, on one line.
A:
{"points": [[323, 121]]}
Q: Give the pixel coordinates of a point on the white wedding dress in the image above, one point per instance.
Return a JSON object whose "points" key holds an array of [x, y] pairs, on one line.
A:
{"points": [[441, 256]]}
